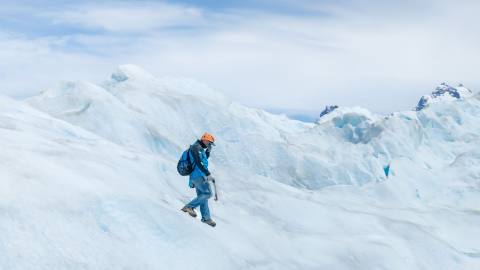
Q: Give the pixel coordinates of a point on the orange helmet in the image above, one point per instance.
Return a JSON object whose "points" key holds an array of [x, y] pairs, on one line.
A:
{"points": [[208, 137]]}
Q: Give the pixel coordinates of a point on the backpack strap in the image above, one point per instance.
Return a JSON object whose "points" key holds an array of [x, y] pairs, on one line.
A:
{"points": [[188, 157]]}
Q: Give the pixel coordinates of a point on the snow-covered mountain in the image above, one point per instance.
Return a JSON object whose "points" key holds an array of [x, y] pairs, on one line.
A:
{"points": [[328, 109], [88, 181], [444, 92]]}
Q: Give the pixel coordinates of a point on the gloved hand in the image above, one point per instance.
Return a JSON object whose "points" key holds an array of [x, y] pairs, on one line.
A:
{"points": [[210, 178]]}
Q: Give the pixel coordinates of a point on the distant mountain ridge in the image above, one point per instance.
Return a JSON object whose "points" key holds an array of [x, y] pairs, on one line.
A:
{"points": [[443, 92]]}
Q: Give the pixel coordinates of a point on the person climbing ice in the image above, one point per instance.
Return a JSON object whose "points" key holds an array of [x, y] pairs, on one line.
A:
{"points": [[194, 162]]}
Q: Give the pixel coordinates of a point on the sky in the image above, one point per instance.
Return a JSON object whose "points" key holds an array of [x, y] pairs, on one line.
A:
{"points": [[287, 54]]}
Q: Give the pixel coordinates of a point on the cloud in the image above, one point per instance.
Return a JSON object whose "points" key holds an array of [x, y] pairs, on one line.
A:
{"points": [[129, 17], [28, 66]]}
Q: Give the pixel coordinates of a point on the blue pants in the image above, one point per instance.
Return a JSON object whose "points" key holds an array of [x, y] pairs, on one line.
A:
{"points": [[203, 194]]}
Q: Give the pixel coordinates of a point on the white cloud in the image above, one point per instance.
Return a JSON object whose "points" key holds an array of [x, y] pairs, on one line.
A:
{"points": [[30, 66], [129, 17]]}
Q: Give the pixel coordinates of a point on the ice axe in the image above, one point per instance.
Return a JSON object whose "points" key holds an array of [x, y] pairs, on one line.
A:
{"points": [[215, 188]]}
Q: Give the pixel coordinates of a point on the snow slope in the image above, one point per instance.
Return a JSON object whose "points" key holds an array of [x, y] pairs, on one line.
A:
{"points": [[88, 181]]}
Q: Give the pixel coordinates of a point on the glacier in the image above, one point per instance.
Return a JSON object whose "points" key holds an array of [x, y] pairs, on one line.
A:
{"points": [[88, 181]]}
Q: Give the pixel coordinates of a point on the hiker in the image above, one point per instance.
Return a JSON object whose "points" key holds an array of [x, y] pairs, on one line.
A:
{"points": [[200, 177]]}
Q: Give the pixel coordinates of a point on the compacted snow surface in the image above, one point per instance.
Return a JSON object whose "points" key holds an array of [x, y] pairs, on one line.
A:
{"points": [[88, 181]]}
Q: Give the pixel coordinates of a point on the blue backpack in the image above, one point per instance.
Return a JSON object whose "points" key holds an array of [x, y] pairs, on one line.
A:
{"points": [[185, 166]]}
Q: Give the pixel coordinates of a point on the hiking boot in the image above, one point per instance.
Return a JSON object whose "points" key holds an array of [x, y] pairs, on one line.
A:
{"points": [[189, 210], [209, 222]]}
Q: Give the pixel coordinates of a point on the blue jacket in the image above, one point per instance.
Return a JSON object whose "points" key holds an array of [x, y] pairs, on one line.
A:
{"points": [[199, 153]]}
